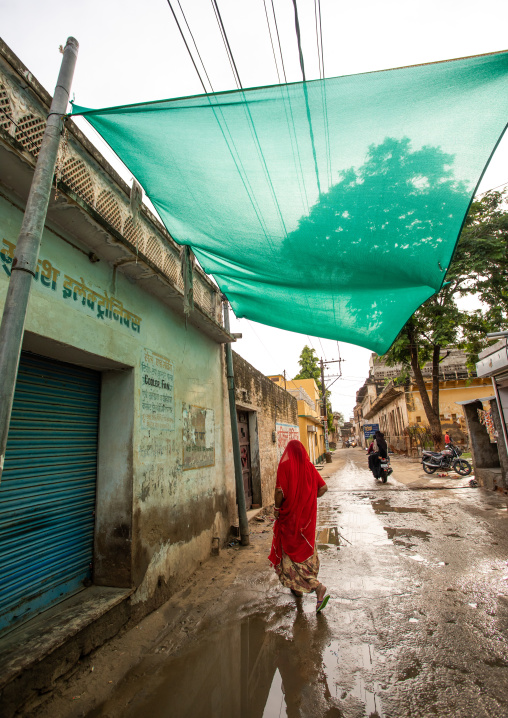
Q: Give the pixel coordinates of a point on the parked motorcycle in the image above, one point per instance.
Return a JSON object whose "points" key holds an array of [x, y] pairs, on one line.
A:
{"points": [[445, 460]]}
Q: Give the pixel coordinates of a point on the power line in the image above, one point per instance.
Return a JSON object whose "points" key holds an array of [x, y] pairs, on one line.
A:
{"points": [[195, 45], [492, 189], [236, 160], [278, 40], [301, 180], [321, 60], [188, 49], [260, 341], [226, 43], [309, 119], [271, 41]]}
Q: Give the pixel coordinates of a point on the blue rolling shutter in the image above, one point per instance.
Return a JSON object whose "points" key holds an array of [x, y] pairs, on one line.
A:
{"points": [[47, 491]]}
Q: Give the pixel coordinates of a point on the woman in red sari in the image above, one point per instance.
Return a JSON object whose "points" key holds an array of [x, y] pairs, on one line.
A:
{"points": [[294, 554]]}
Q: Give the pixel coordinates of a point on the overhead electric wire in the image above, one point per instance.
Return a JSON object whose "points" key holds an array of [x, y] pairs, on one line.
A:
{"points": [[300, 178], [309, 119], [271, 41], [252, 125], [226, 43], [236, 160], [188, 49], [321, 59], [195, 45]]}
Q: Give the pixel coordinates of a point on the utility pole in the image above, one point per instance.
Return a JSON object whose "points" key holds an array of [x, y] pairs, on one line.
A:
{"points": [[24, 264], [240, 491], [324, 407], [324, 402]]}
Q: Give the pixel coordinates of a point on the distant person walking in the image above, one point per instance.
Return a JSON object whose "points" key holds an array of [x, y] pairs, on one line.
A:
{"points": [[447, 438], [294, 553]]}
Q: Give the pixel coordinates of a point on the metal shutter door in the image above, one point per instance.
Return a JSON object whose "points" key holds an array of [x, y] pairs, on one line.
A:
{"points": [[47, 491]]}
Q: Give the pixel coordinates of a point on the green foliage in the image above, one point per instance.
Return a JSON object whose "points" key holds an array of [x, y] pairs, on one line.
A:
{"points": [[480, 268], [309, 369], [309, 365]]}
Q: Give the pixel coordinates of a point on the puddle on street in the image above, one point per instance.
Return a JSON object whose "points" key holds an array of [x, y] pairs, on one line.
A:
{"points": [[408, 533], [328, 537], [383, 506], [245, 669]]}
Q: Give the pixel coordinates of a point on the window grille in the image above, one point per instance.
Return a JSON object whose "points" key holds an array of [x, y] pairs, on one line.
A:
{"points": [[77, 177], [107, 207], [5, 109], [29, 133]]}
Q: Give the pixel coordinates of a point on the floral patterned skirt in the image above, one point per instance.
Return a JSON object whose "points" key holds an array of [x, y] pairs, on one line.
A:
{"points": [[299, 576]]}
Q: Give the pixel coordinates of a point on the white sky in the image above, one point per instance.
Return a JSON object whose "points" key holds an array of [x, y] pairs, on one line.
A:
{"points": [[132, 51]]}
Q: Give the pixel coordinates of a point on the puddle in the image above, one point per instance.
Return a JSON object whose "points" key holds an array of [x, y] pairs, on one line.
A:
{"points": [[246, 669], [408, 533], [382, 506], [328, 536]]}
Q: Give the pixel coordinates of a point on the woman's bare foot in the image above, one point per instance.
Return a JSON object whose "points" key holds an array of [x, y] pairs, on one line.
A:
{"points": [[320, 592], [322, 597]]}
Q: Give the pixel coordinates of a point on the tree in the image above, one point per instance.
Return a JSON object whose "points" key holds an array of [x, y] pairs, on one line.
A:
{"points": [[479, 267], [309, 365], [309, 369]]}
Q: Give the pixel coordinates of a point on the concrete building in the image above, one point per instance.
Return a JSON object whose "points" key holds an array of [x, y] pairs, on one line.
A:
{"points": [[118, 474], [487, 419], [397, 406], [267, 421], [309, 414]]}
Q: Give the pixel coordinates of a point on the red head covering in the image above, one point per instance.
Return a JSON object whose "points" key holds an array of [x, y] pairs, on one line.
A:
{"points": [[294, 532]]}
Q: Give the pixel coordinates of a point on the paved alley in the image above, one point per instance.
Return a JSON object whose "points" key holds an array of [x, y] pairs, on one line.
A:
{"points": [[416, 625]]}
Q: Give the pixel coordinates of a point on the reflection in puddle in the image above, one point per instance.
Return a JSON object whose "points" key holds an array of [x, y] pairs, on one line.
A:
{"points": [[245, 669], [329, 536], [382, 506], [392, 533]]}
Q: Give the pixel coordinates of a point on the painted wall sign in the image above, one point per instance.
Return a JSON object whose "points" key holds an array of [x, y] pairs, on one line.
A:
{"points": [[157, 392], [198, 437], [285, 434], [369, 430], [86, 298]]}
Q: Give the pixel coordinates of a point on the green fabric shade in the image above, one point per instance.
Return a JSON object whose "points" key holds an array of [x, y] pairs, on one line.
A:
{"points": [[330, 207]]}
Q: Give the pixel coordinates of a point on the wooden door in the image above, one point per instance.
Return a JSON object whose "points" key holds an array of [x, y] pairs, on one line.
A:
{"points": [[243, 434]]}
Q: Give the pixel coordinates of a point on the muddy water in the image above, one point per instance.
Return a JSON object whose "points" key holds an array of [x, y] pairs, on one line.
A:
{"points": [[416, 625]]}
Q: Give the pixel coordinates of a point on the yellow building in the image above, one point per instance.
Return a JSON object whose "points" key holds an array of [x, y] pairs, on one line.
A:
{"points": [[309, 414]]}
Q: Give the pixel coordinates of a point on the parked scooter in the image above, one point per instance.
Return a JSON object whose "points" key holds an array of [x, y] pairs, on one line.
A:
{"points": [[445, 460]]}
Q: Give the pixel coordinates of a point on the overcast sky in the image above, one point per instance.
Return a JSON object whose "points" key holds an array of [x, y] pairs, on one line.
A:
{"points": [[132, 51]]}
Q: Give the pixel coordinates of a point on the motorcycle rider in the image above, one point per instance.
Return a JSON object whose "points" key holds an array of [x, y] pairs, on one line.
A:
{"points": [[377, 450]]}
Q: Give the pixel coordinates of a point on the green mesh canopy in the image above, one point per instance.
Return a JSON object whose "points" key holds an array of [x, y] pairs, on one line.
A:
{"points": [[330, 207]]}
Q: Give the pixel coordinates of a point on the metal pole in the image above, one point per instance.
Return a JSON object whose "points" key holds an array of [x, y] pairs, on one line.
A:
{"points": [[26, 255], [240, 492], [325, 412]]}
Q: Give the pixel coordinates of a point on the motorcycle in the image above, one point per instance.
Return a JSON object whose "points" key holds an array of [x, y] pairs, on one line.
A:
{"points": [[383, 470], [445, 460]]}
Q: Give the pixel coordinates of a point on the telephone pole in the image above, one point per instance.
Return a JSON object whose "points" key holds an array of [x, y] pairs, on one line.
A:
{"points": [[324, 406], [26, 254]]}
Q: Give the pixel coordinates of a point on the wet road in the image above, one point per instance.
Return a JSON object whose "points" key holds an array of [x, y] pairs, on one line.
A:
{"points": [[416, 625]]}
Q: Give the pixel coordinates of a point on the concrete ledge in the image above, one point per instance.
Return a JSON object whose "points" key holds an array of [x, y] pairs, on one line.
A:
{"points": [[37, 653], [490, 478], [253, 513]]}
